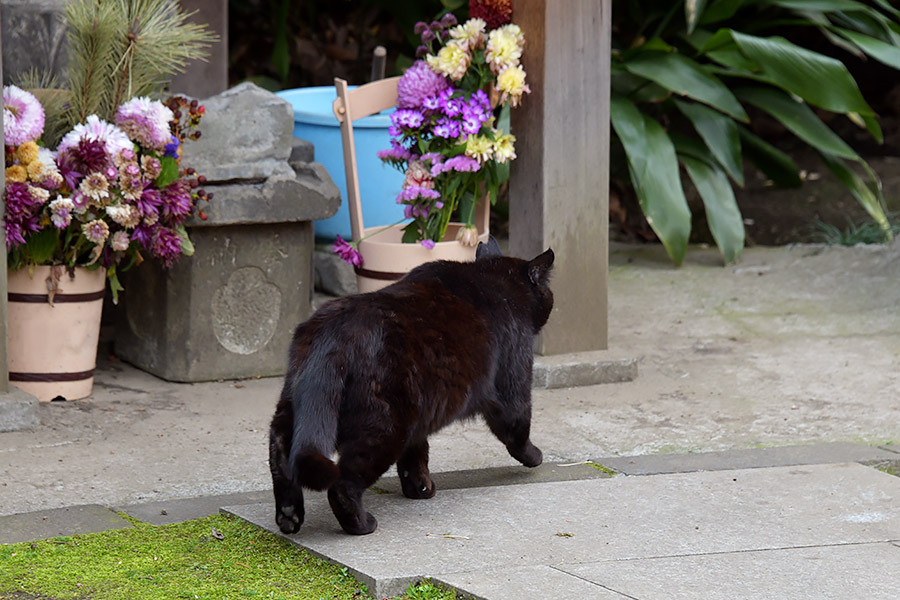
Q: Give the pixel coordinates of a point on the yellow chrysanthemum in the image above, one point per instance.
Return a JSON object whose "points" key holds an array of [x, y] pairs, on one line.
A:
{"points": [[504, 148], [480, 148], [511, 83], [35, 170], [504, 47], [451, 61], [471, 34], [27, 152], [16, 173]]}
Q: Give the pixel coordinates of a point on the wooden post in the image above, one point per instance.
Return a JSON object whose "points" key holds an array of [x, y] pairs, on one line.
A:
{"points": [[559, 184], [203, 79]]}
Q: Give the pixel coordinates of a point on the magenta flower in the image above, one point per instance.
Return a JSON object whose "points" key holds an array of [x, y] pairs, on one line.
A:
{"points": [[428, 244], [112, 139], [177, 202], [23, 116], [23, 213], [347, 252], [419, 82], [165, 245], [413, 192]]}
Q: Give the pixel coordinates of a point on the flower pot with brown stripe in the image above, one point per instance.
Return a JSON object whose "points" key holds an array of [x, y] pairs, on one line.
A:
{"points": [[54, 327]]}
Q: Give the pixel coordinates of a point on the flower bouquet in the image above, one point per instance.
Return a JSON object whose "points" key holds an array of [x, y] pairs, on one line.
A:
{"points": [[446, 138], [109, 195]]}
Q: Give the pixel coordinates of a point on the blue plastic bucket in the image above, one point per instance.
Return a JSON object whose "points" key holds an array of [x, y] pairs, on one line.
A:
{"points": [[379, 183]]}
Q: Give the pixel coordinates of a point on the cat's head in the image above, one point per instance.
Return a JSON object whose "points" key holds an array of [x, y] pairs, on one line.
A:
{"points": [[539, 269]]}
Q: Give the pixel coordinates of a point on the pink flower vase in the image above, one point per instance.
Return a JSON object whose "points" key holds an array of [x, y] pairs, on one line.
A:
{"points": [[53, 342]]}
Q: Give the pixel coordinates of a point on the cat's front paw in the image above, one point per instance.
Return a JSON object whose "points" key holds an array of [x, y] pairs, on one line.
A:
{"points": [[287, 519], [529, 455]]}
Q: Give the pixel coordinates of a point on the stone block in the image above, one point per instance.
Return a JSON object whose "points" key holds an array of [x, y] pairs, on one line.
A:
{"points": [[247, 133], [582, 368], [333, 275], [227, 312], [72, 520], [34, 37]]}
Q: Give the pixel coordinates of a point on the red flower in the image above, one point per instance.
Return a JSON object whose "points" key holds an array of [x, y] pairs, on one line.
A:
{"points": [[494, 12]]}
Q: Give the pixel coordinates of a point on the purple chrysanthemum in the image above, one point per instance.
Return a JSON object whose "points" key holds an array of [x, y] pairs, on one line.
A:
{"points": [[149, 202], [23, 213], [418, 83], [347, 252], [177, 202], [23, 116], [146, 121], [166, 245], [142, 234]]}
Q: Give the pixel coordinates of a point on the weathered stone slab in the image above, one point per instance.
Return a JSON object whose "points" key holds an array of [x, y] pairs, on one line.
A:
{"points": [[817, 454], [247, 133], [622, 518], [18, 410], [34, 37], [823, 573], [164, 512], [74, 520], [298, 196], [525, 583], [583, 368]]}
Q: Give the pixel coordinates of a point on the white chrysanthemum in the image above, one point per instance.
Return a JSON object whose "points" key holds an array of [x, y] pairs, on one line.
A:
{"points": [[119, 241], [451, 61], [61, 212], [511, 83], [114, 139], [504, 47], [471, 33], [128, 215], [504, 148]]}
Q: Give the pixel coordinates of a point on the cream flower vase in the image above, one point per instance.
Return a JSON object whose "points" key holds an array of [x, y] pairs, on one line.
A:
{"points": [[53, 337]]}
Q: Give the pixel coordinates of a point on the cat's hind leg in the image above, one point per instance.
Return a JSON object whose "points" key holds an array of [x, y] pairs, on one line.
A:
{"points": [[289, 511], [361, 465], [413, 470], [514, 430]]}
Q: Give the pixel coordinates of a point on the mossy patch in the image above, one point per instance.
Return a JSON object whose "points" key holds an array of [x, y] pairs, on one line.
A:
{"points": [[602, 469], [217, 557]]}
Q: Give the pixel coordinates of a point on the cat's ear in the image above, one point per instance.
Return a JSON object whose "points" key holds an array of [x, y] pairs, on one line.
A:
{"points": [[539, 268], [492, 248]]}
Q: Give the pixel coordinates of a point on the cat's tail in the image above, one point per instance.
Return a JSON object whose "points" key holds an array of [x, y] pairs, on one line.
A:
{"points": [[316, 391]]}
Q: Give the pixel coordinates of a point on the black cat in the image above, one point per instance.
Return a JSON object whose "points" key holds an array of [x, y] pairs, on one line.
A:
{"points": [[371, 376]]}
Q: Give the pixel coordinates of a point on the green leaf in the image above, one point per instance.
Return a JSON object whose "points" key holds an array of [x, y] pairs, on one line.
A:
{"points": [[686, 77], [692, 11], [820, 5], [719, 133], [722, 212], [168, 173], [654, 173], [884, 4], [721, 10], [114, 285], [799, 118], [410, 233], [40, 246], [874, 128], [880, 51], [868, 194], [804, 73], [187, 248], [775, 164]]}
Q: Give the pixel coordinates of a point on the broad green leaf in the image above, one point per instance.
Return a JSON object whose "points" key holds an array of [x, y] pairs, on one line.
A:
{"points": [[868, 194], [874, 128], [720, 134], [684, 76], [775, 164], [799, 118], [168, 173], [692, 11], [821, 5], [721, 10], [654, 174], [722, 212], [880, 51], [818, 79], [884, 4], [40, 246], [637, 88]]}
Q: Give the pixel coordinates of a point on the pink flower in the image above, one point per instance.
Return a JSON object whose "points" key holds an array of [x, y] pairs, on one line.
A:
{"points": [[23, 116], [348, 252], [418, 83], [146, 121], [428, 244]]}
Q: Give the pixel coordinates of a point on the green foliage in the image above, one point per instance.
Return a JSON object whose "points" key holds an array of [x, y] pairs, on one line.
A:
{"points": [[686, 73], [126, 48]]}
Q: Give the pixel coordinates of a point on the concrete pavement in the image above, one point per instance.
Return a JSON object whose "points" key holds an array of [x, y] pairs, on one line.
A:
{"points": [[796, 346]]}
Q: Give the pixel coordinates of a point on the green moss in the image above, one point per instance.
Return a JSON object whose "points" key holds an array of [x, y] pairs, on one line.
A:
{"points": [[184, 560], [599, 467]]}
